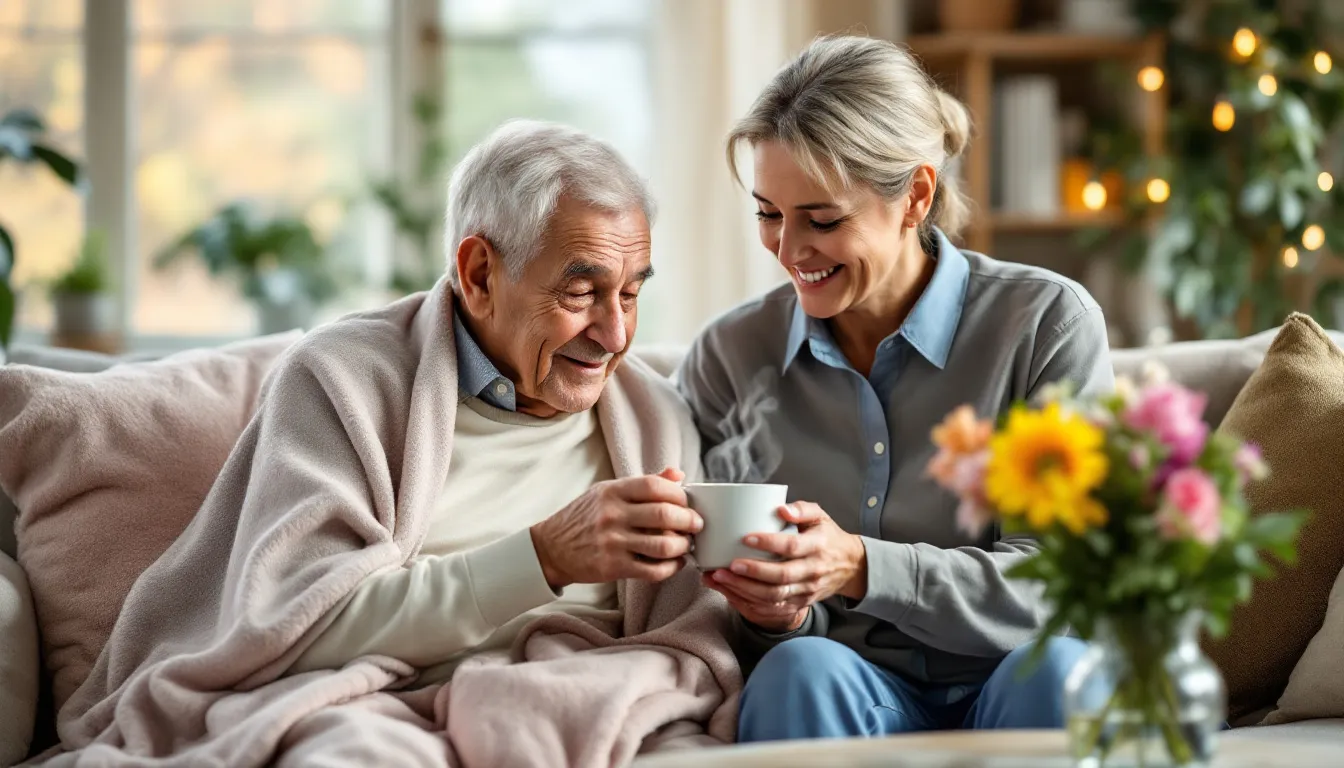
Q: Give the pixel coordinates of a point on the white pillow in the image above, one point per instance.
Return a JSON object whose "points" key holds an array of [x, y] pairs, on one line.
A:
{"points": [[1316, 687], [18, 663]]}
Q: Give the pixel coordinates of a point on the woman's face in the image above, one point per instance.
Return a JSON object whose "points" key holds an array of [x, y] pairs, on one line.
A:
{"points": [[839, 248]]}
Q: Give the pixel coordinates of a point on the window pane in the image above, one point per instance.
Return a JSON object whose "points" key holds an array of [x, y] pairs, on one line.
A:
{"points": [[43, 215], [259, 16], [600, 86], [291, 127], [61, 15], [465, 17]]}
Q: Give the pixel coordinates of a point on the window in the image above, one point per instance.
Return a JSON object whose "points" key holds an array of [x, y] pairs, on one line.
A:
{"points": [[281, 103], [42, 68]]}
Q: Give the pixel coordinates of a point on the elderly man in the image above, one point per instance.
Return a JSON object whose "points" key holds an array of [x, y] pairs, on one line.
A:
{"points": [[469, 485]]}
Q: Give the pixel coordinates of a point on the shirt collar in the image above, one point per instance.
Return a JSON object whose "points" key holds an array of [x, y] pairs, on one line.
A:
{"points": [[476, 375], [930, 327]]}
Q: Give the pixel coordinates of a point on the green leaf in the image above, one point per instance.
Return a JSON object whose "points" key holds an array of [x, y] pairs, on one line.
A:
{"points": [[59, 164], [1257, 196], [7, 303], [6, 255]]}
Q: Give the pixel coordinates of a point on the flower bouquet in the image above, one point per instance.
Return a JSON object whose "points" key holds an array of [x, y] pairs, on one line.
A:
{"points": [[1144, 536]]}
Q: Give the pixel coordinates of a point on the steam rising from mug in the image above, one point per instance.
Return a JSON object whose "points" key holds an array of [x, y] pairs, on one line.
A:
{"points": [[748, 453]]}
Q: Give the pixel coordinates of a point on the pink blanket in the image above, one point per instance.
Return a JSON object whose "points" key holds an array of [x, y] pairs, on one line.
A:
{"points": [[332, 482]]}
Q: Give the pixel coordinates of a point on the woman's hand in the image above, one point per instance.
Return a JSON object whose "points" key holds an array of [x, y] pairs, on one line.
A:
{"points": [[819, 561]]}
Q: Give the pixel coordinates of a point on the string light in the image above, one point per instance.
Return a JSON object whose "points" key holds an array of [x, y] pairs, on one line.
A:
{"points": [[1313, 237], [1159, 190], [1094, 196], [1224, 116], [1151, 78], [1322, 62], [1290, 257], [1325, 181], [1269, 85], [1244, 42]]}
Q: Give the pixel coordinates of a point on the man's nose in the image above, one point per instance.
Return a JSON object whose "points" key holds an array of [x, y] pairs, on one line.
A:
{"points": [[608, 328]]}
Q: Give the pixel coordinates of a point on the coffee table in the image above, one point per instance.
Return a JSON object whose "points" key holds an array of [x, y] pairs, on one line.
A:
{"points": [[973, 749]]}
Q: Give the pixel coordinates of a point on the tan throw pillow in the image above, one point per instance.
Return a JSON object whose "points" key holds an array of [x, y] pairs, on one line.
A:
{"points": [[107, 469], [1316, 688], [1293, 408]]}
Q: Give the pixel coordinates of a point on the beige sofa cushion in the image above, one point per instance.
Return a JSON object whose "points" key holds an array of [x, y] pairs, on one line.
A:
{"points": [[1316, 688], [1293, 408], [113, 465], [18, 663]]}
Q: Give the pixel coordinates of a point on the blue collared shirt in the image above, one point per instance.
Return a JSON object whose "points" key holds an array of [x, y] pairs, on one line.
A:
{"points": [[938, 607], [476, 375]]}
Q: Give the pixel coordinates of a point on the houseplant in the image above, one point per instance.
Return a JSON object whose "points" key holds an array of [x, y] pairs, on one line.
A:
{"points": [[82, 297], [1144, 535], [1236, 217], [22, 140], [277, 262]]}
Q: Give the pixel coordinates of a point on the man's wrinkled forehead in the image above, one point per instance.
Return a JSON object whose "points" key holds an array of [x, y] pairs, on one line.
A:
{"points": [[598, 244]]}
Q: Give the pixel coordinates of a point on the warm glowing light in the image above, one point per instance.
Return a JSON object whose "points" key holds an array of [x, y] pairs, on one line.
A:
{"points": [[1224, 116], [1094, 196], [1290, 257], [1323, 62], [1244, 42], [1325, 181], [1151, 78], [1159, 190], [1269, 85], [1313, 237]]}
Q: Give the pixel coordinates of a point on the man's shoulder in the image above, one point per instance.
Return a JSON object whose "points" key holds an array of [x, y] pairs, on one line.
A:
{"points": [[362, 341]]}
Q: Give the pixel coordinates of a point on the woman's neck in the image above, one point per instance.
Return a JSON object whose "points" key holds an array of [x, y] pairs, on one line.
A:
{"points": [[860, 329]]}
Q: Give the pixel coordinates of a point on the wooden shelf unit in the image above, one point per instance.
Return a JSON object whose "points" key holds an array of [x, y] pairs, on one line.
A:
{"points": [[975, 59]]}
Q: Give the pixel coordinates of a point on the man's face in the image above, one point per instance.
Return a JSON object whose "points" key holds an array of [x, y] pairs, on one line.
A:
{"points": [[563, 327]]}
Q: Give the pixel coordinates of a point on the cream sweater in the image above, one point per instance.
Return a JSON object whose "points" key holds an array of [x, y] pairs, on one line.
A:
{"points": [[477, 581]]}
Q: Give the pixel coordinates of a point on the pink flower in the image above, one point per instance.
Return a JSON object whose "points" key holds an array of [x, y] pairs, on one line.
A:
{"points": [[1191, 507], [1250, 462], [967, 481], [1173, 414], [1140, 458]]}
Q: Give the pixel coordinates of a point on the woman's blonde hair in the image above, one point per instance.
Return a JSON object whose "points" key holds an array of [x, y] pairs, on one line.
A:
{"points": [[854, 109]]}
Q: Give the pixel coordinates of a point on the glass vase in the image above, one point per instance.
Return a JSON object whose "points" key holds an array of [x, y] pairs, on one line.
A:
{"points": [[1144, 696]]}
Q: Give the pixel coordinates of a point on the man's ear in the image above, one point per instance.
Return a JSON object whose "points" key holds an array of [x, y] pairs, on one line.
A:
{"points": [[475, 264]]}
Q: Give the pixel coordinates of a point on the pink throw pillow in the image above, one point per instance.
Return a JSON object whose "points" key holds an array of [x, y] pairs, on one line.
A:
{"points": [[107, 469]]}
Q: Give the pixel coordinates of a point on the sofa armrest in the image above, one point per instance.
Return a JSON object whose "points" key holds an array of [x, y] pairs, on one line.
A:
{"points": [[19, 663]]}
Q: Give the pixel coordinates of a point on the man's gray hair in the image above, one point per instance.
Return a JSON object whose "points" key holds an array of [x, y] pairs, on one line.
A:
{"points": [[508, 185]]}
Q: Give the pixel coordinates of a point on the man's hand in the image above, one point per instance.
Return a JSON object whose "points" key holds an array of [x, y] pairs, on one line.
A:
{"points": [[635, 527], [821, 560]]}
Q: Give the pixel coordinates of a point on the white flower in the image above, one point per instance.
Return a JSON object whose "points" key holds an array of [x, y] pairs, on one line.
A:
{"points": [[1155, 373]]}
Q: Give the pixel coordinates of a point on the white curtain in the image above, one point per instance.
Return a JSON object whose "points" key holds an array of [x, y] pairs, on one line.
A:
{"points": [[711, 59]]}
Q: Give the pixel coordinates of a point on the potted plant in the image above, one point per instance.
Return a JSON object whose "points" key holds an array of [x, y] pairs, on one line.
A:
{"points": [[82, 297], [21, 140], [277, 262]]}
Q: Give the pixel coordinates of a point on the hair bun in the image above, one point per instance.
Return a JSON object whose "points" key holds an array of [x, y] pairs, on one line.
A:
{"points": [[956, 123]]}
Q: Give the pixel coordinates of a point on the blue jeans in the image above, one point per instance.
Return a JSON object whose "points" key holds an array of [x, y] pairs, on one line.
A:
{"points": [[814, 688]]}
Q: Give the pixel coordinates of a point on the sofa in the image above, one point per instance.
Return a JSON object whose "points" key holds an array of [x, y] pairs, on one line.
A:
{"points": [[1218, 368]]}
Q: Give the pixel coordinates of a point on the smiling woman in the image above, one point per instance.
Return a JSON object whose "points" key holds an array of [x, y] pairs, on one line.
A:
{"points": [[881, 605]]}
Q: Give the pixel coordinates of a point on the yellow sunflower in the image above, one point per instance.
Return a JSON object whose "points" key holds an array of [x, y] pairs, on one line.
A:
{"points": [[1043, 465]]}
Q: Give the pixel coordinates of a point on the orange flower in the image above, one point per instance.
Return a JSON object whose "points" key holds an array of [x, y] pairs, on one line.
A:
{"points": [[961, 432], [960, 435]]}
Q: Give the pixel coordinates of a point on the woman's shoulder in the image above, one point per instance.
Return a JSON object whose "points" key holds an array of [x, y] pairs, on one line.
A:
{"points": [[1007, 295], [762, 322]]}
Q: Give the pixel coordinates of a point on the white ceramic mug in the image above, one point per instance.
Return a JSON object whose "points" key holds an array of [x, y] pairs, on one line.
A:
{"points": [[731, 512]]}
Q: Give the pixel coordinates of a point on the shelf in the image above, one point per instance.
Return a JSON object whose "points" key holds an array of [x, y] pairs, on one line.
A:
{"points": [[1029, 46], [1036, 223]]}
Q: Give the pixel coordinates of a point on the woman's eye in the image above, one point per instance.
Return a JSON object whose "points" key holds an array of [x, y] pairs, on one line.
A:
{"points": [[764, 216], [825, 226]]}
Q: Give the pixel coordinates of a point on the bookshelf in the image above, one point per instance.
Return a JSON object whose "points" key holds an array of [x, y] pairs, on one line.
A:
{"points": [[973, 61]]}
